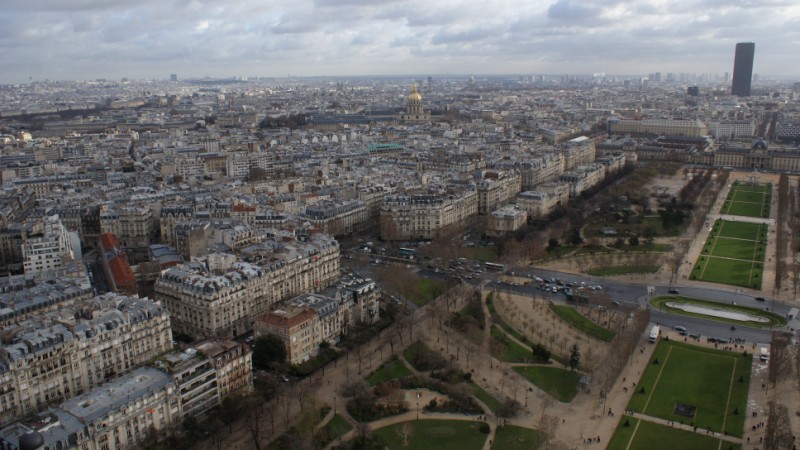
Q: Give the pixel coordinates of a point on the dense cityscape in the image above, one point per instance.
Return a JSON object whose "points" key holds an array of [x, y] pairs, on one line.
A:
{"points": [[303, 262]]}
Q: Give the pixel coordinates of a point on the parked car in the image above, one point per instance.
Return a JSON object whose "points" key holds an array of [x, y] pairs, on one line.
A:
{"points": [[673, 291]]}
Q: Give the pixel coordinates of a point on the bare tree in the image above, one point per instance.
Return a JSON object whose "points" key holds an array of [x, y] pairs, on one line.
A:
{"points": [[252, 420], [284, 402], [303, 394], [405, 431], [779, 428], [545, 401], [780, 366], [548, 425]]}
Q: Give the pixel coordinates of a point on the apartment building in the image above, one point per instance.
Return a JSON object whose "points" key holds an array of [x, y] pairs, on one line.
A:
{"points": [[134, 226], [497, 189], [170, 214], [506, 220], [577, 152], [423, 216], [63, 353], [547, 167], [48, 247], [223, 301], [116, 416], [24, 296], [537, 204], [207, 373], [337, 218], [583, 178], [298, 326]]}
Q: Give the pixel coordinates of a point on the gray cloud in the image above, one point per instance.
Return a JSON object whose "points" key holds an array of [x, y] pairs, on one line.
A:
{"points": [[149, 38]]}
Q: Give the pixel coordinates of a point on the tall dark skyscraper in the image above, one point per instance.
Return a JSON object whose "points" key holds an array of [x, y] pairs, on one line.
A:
{"points": [[743, 69]]}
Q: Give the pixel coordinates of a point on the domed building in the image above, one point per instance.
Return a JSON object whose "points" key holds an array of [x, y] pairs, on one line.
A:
{"points": [[415, 111]]}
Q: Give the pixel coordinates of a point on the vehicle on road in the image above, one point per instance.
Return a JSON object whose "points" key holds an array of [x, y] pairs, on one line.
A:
{"points": [[681, 330], [674, 291], [760, 299], [654, 332]]}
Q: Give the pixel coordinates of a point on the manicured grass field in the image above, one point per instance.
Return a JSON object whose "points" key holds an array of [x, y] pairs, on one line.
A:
{"points": [[775, 320], [653, 436], [492, 403], [438, 434], [576, 320], [513, 351], [390, 370], [714, 381], [512, 437], [560, 383], [746, 199], [733, 254]]}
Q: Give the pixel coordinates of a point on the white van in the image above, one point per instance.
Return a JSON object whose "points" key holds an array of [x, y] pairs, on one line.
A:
{"points": [[654, 332], [764, 354]]}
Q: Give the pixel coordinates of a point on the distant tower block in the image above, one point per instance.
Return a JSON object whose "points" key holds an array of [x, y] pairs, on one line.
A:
{"points": [[173, 77], [743, 69]]}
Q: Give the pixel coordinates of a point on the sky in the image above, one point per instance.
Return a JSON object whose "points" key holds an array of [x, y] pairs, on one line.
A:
{"points": [[87, 39]]}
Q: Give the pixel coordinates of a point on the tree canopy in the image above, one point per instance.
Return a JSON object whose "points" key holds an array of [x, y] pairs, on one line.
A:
{"points": [[269, 351]]}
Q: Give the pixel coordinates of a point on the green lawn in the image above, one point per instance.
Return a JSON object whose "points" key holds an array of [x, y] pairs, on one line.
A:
{"points": [[512, 437], [733, 254], [435, 434], [705, 378], [513, 351], [492, 403], [559, 251], [746, 209], [740, 230], [336, 427], [482, 254], [729, 271], [652, 436], [428, 289], [734, 248], [560, 383], [390, 370], [748, 200], [575, 319], [775, 320], [622, 270], [416, 348]]}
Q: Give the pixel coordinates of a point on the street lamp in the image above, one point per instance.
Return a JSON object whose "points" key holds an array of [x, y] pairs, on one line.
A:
{"points": [[334, 403], [417, 409]]}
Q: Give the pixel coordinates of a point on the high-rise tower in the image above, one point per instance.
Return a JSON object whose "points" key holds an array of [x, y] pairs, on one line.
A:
{"points": [[743, 69]]}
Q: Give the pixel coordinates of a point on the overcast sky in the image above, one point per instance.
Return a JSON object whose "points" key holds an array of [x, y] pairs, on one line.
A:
{"points": [[85, 39]]}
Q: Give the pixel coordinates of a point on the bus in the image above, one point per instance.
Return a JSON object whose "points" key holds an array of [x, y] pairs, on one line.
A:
{"points": [[493, 266], [406, 252]]}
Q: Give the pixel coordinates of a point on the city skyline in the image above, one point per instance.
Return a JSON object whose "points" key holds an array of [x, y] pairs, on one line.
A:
{"points": [[85, 39]]}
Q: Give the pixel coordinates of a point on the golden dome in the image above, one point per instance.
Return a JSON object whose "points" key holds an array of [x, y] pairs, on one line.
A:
{"points": [[415, 96]]}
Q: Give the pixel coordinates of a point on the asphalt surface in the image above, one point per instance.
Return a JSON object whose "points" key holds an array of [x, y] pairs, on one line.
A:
{"points": [[627, 294]]}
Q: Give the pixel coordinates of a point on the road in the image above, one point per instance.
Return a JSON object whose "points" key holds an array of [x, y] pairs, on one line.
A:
{"points": [[630, 293], [636, 294]]}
